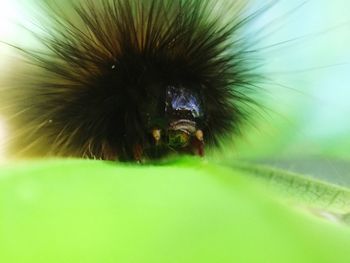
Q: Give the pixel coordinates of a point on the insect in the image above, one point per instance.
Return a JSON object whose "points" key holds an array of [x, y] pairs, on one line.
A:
{"points": [[133, 80]]}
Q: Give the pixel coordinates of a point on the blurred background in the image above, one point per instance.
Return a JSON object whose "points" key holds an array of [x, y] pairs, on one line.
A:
{"points": [[305, 127], [308, 97], [305, 51]]}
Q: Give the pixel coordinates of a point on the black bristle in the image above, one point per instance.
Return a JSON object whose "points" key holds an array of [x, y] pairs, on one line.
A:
{"points": [[99, 88]]}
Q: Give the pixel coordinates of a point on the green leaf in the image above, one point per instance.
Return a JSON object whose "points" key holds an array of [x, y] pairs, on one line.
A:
{"points": [[178, 211]]}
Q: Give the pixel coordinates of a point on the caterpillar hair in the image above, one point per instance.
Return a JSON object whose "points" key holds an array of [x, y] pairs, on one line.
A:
{"points": [[132, 80]]}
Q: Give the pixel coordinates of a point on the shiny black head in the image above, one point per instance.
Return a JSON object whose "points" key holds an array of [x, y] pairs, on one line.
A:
{"points": [[181, 116]]}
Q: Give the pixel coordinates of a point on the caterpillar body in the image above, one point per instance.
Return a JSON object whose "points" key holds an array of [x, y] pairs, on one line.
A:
{"points": [[133, 80]]}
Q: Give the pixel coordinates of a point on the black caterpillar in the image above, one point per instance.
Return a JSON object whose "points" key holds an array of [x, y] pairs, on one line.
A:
{"points": [[133, 80]]}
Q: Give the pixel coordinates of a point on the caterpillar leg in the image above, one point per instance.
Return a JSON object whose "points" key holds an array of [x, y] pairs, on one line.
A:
{"points": [[138, 153], [157, 135], [198, 143]]}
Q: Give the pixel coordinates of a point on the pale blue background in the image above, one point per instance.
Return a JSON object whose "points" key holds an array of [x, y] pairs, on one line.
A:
{"points": [[309, 95]]}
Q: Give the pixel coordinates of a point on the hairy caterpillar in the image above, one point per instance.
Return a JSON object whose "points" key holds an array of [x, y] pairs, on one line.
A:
{"points": [[130, 80]]}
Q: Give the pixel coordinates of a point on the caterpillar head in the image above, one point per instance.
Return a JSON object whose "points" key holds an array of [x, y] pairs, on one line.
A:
{"points": [[178, 125]]}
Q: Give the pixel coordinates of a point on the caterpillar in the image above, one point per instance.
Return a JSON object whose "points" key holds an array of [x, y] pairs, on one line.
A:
{"points": [[133, 80]]}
